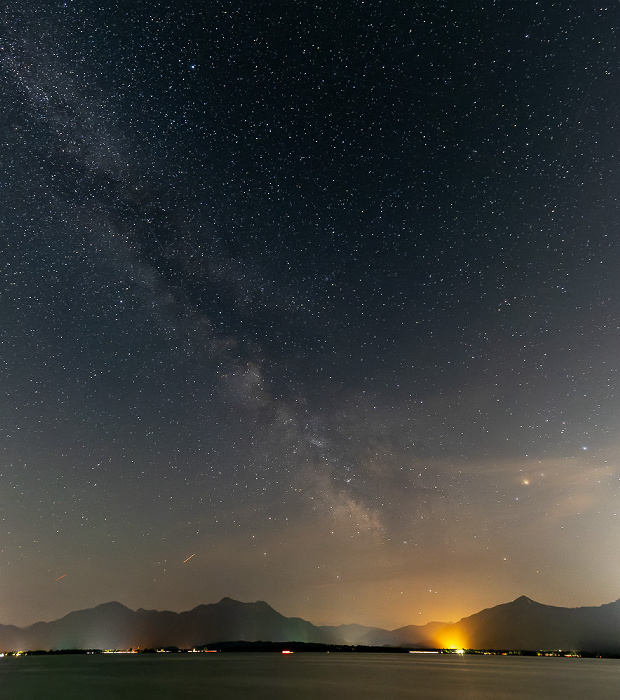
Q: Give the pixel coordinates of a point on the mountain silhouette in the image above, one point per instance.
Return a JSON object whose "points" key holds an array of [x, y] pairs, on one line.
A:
{"points": [[526, 624], [520, 624], [113, 626]]}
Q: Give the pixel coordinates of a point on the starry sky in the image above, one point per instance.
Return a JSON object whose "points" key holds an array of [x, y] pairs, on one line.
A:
{"points": [[309, 302]]}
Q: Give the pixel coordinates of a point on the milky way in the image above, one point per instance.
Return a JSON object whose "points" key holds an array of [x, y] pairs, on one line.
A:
{"points": [[315, 303]]}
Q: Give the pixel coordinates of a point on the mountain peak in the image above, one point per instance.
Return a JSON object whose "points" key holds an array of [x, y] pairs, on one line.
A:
{"points": [[112, 605], [524, 600], [226, 600]]}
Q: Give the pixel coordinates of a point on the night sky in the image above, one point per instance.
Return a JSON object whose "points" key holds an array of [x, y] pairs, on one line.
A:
{"points": [[309, 302]]}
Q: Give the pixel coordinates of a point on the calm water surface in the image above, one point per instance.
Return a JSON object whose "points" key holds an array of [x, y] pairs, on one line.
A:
{"points": [[300, 676]]}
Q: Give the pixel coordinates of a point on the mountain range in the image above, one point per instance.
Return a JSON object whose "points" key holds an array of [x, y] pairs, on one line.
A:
{"points": [[520, 624]]}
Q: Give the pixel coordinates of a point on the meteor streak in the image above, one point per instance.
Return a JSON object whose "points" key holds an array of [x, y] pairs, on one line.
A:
{"points": [[58, 579], [188, 558]]}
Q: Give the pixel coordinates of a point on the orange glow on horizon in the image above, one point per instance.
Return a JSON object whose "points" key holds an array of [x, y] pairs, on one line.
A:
{"points": [[451, 639]]}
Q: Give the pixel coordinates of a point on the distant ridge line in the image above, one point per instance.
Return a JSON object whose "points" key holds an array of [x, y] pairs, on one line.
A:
{"points": [[520, 624]]}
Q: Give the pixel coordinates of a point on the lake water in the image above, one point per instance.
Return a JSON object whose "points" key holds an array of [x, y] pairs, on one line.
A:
{"points": [[303, 676]]}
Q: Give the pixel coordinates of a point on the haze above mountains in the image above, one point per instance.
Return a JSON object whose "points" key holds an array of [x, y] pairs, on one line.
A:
{"points": [[520, 624]]}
